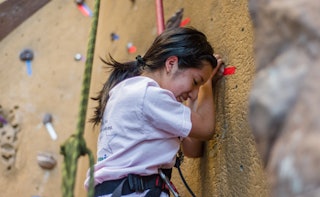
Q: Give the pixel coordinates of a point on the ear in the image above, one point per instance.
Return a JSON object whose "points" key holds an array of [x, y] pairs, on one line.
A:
{"points": [[170, 63]]}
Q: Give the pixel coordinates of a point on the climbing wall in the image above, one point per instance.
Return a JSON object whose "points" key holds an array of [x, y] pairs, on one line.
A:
{"points": [[30, 162], [231, 165], [57, 37]]}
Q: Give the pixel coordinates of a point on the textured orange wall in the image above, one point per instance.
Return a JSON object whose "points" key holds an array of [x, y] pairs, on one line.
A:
{"points": [[231, 166]]}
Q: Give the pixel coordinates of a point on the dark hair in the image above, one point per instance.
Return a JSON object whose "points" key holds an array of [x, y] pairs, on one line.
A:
{"points": [[188, 44]]}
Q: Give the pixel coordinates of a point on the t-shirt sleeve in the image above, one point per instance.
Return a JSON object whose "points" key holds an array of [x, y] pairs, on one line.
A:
{"points": [[165, 113]]}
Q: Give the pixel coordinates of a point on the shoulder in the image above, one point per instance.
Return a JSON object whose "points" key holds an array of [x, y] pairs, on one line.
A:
{"points": [[136, 83], [133, 84], [133, 89]]}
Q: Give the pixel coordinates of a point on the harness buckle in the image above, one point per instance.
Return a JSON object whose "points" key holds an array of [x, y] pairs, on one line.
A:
{"points": [[136, 183]]}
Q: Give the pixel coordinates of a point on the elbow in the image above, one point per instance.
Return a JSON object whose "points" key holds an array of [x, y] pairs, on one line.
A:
{"points": [[208, 134], [194, 151], [193, 155], [203, 135], [207, 138], [208, 131], [192, 147]]}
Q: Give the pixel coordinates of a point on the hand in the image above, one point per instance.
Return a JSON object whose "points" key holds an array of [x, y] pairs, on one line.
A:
{"points": [[217, 72]]}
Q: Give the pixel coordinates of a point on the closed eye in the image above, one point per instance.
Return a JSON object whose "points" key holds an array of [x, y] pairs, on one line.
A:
{"points": [[195, 82]]}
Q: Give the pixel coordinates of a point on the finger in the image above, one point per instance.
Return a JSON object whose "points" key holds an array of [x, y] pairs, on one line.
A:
{"points": [[217, 56], [221, 69], [219, 66], [220, 62]]}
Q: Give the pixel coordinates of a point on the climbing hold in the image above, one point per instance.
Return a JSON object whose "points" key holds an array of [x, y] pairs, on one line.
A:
{"points": [[185, 22], [47, 121], [46, 161], [114, 37], [84, 8], [230, 70], [27, 56], [131, 48], [78, 57], [8, 137], [175, 20], [79, 2]]}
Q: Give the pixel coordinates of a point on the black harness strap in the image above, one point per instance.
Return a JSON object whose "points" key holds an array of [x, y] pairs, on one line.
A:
{"points": [[134, 183], [118, 191]]}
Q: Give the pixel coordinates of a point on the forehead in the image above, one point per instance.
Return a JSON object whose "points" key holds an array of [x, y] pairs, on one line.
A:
{"points": [[200, 74], [207, 65], [205, 71]]}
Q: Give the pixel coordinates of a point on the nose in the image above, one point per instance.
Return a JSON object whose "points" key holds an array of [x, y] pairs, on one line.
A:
{"points": [[193, 95]]}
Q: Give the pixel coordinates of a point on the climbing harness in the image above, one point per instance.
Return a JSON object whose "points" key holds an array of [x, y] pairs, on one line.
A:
{"points": [[75, 146], [135, 183]]}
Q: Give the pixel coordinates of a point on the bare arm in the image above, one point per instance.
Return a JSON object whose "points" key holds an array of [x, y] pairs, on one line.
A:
{"points": [[192, 146], [202, 113], [202, 116]]}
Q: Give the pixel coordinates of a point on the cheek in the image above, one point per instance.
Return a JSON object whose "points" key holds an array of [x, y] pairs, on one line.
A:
{"points": [[181, 84], [182, 88]]}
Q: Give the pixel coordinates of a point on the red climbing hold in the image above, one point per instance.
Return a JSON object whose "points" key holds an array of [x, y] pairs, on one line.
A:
{"points": [[185, 22], [230, 70]]}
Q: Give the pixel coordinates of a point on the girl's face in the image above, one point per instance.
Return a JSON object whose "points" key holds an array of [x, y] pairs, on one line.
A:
{"points": [[185, 83]]}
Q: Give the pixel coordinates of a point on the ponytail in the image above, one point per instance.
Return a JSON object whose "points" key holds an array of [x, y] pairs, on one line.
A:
{"points": [[119, 72]]}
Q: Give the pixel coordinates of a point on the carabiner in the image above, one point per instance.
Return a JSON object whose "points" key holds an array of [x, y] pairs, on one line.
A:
{"points": [[166, 180]]}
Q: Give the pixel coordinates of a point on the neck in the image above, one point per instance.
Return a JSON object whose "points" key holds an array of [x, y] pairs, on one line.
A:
{"points": [[156, 75]]}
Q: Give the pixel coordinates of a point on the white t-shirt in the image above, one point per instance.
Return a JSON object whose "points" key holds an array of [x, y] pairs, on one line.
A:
{"points": [[140, 131]]}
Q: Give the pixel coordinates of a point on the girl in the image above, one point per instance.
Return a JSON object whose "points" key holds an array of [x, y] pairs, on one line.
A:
{"points": [[143, 116]]}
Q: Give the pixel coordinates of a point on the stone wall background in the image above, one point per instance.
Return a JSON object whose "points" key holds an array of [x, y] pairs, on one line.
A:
{"points": [[284, 101]]}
